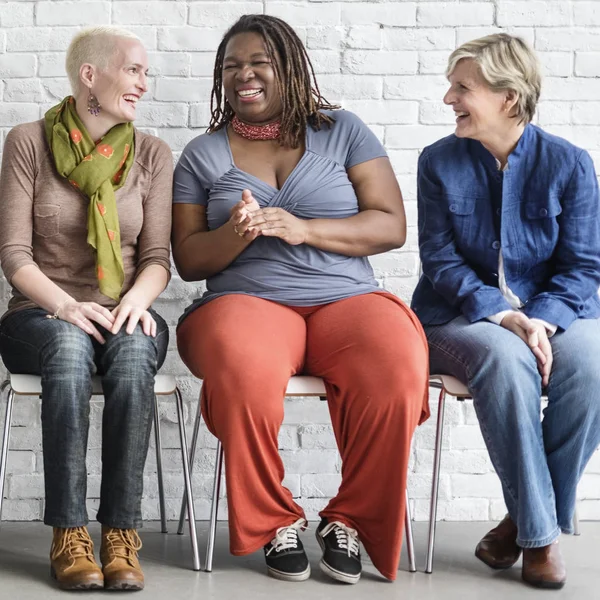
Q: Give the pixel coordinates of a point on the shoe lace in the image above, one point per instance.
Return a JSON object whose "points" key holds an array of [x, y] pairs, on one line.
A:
{"points": [[346, 537], [122, 543], [74, 542], [287, 537]]}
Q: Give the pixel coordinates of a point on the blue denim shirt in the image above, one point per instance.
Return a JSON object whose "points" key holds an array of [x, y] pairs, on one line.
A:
{"points": [[549, 230]]}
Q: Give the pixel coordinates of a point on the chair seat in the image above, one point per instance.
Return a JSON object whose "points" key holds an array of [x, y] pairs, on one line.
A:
{"points": [[452, 385], [31, 385], [305, 385]]}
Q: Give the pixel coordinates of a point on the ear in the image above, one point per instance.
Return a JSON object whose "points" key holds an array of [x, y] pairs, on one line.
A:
{"points": [[510, 100], [87, 75]]}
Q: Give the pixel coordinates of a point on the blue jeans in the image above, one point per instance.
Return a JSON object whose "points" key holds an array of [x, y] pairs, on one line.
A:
{"points": [[539, 462], [66, 358]]}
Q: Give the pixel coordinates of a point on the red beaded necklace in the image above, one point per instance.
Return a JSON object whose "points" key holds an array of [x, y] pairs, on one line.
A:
{"points": [[270, 131]]}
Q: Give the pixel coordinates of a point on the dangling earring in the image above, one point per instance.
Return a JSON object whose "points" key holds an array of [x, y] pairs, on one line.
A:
{"points": [[93, 105]]}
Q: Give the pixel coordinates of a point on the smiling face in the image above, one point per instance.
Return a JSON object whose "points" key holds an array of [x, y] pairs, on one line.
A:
{"points": [[481, 113], [249, 79], [123, 82]]}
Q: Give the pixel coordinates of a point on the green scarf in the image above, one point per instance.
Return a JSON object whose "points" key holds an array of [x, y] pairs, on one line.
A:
{"points": [[97, 170]]}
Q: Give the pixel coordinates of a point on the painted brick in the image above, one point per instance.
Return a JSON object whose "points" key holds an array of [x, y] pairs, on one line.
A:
{"points": [[74, 13], [149, 13], [389, 14], [220, 14], [303, 14], [17, 65], [17, 14], [587, 64], [534, 12], [380, 62], [438, 14]]}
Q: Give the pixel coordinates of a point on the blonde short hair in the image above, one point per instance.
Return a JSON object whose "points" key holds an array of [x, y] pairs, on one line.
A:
{"points": [[506, 62], [92, 45]]}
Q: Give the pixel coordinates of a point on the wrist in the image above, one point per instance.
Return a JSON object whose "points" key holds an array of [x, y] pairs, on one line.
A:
{"points": [[308, 231]]}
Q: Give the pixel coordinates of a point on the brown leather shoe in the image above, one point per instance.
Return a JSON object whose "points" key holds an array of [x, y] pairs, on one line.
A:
{"points": [[120, 564], [72, 561], [544, 567], [498, 548]]}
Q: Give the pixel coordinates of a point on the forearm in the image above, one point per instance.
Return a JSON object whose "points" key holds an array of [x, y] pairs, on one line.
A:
{"points": [[31, 282], [367, 233], [206, 253], [150, 283]]}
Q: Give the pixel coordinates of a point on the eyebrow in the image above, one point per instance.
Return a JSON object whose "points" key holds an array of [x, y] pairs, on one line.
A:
{"points": [[251, 56]]}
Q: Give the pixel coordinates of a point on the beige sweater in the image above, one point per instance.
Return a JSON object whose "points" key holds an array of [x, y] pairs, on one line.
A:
{"points": [[43, 219]]}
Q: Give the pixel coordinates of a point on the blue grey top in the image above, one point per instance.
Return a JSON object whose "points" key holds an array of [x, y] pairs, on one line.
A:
{"points": [[317, 188]]}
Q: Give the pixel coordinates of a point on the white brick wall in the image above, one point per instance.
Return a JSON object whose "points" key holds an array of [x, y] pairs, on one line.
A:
{"points": [[382, 59]]}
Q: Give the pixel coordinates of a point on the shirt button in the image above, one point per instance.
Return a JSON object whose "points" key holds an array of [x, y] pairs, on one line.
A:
{"points": [[496, 245], [543, 212], [453, 208]]}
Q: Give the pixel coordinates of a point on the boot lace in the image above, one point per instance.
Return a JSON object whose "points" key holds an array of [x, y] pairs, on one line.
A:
{"points": [[286, 538], [346, 537], [122, 543], [74, 542]]}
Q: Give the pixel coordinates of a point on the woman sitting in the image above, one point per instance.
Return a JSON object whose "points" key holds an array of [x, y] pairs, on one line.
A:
{"points": [[85, 218], [509, 232], [278, 207]]}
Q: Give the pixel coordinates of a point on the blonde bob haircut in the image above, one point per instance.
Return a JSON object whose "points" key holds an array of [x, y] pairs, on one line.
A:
{"points": [[506, 62], [93, 45]]}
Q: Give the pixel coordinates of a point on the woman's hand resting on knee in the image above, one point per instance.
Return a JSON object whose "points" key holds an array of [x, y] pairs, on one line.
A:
{"points": [[534, 334], [84, 314]]}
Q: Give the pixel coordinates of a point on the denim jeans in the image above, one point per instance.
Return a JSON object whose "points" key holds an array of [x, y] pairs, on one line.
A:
{"points": [[66, 358], [539, 462]]}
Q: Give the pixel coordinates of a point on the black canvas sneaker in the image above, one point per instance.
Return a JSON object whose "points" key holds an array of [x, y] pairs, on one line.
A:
{"points": [[341, 551], [285, 556]]}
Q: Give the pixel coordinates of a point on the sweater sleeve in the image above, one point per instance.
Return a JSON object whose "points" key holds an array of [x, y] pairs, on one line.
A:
{"points": [[16, 203]]}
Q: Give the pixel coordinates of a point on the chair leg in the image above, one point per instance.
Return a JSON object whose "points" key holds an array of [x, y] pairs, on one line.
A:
{"points": [[435, 480], [212, 531], [5, 440], [576, 530], [410, 541], [192, 456], [159, 469], [187, 481]]}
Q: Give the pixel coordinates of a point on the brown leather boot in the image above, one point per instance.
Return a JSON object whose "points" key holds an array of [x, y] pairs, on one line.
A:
{"points": [[544, 567], [72, 561], [118, 554], [498, 548]]}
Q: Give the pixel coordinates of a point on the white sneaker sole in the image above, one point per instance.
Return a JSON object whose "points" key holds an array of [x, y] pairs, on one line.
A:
{"points": [[283, 576]]}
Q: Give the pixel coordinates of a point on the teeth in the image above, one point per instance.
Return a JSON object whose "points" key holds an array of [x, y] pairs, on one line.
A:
{"points": [[248, 93], [131, 98]]}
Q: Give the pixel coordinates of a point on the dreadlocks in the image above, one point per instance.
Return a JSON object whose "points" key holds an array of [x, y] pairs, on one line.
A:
{"points": [[300, 96]]}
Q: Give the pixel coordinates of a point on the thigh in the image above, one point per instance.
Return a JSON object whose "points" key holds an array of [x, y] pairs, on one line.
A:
{"points": [[28, 339], [461, 349], [134, 348], [365, 334], [242, 334], [575, 352]]}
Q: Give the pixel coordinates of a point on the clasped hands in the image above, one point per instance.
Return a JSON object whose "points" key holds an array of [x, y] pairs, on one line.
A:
{"points": [[534, 334], [249, 221]]}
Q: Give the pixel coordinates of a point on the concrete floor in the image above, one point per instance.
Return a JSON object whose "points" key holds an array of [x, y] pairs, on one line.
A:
{"points": [[166, 559]]}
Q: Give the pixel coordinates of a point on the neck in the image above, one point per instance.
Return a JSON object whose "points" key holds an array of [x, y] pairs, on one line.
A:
{"points": [[97, 126], [500, 145]]}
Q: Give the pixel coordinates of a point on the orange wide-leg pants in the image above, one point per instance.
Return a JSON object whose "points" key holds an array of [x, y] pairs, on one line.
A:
{"points": [[372, 354]]}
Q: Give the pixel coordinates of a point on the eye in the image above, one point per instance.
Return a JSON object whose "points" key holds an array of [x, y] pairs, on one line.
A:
{"points": [[261, 62], [133, 69], [228, 67]]}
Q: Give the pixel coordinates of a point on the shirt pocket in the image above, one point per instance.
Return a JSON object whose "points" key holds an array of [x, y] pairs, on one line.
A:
{"points": [[46, 220], [541, 226], [461, 209]]}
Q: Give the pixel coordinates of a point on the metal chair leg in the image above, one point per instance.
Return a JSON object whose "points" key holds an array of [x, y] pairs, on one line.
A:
{"points": [[159, 469], [212, 531], [187, 480], [576, 530], [5, 440], [436, 480], [410, 541], [192, 456]]}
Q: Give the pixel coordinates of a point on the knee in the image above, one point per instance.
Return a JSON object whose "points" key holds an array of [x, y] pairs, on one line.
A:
{"points": [[132, 356], [503, 365], [68, 352]]}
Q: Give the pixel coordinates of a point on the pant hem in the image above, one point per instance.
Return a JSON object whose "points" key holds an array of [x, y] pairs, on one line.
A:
{"points": [[119, 523], [66, 523], [539, 543]]}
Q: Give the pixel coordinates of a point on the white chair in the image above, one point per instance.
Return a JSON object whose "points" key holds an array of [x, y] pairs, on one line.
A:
{"points": [[448, 386], [298, 386], [164, 385]]}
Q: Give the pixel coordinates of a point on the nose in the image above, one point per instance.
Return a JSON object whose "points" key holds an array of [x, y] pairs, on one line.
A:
{"points": [[142, 83], [245, 73], [449, 97]]}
